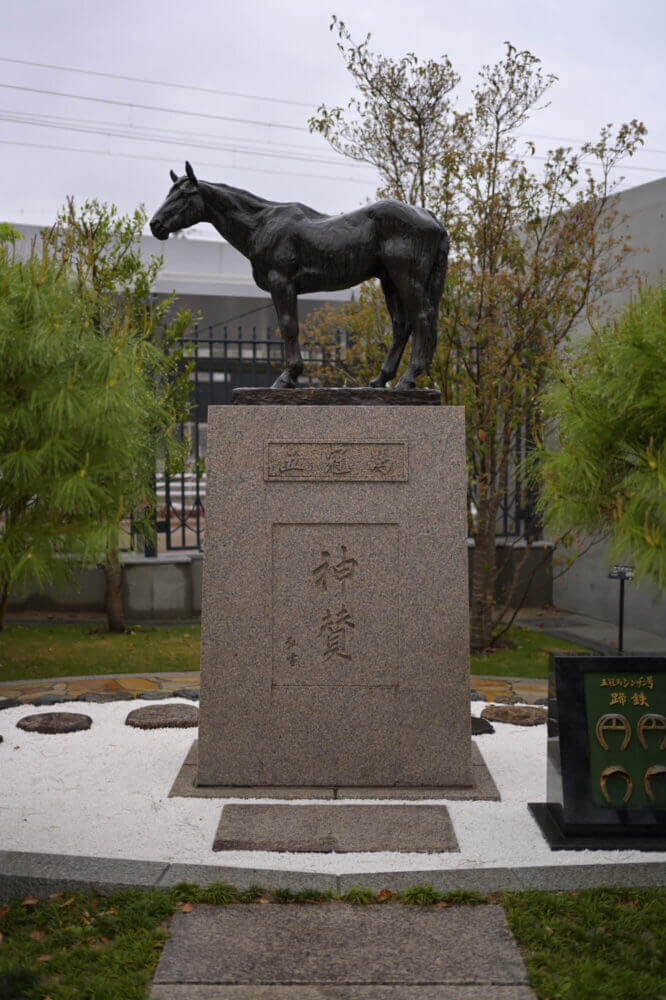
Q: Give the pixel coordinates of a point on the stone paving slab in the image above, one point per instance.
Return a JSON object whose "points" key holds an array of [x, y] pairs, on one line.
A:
{"points": [[161, 991], [483, 787], [340, 828], [341, 945]]}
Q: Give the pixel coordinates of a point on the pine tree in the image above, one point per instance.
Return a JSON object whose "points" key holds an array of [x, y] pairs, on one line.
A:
{"points": [[90, 396], [103, 251], [606, 469]]}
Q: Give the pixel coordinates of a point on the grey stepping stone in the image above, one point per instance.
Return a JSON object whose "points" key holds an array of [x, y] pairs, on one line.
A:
{"points": [[191, 693], [164, 717], [338, 945], [96, 697], [50, 699], [477, 696], [517, 715], [10, 703], [154, 695], [54, 722], [481, 726], [341, 828]]}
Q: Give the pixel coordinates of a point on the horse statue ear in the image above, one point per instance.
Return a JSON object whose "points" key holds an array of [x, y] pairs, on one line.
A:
{"points": [[190, 173], [173, 175]]}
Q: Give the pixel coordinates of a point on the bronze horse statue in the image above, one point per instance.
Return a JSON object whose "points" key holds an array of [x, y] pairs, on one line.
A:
{"points": [[294, 249]]}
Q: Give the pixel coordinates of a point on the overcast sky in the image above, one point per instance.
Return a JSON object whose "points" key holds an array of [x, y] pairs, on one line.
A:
{"points": [[609, 57]]}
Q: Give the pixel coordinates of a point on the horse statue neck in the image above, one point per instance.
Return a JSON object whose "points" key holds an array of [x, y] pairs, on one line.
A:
{"points": [[233, 212]]}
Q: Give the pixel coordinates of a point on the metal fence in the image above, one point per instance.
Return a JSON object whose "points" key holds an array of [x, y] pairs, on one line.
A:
{"points": [[222, 364]]}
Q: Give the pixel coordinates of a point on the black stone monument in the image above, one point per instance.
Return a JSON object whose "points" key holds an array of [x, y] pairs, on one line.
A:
{"points": [[606, 753]]}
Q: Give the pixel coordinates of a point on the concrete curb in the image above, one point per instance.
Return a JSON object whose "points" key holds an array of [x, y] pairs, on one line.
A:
{"points": [[26, 873]]}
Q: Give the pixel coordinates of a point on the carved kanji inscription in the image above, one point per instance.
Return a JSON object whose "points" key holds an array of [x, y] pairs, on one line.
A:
{"points": [[336, 461], [336, 604]]}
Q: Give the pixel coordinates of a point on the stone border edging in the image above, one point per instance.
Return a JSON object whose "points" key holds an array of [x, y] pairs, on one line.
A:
{"points": [[36, 874]]}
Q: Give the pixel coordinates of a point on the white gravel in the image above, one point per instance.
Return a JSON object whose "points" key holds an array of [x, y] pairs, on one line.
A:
{"points": [[104, 793]]}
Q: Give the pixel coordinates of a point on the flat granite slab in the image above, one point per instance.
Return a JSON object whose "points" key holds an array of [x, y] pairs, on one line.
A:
{"points": [[340, 828], [340, 945], [482, 788], [184, 991], [335, 396]]}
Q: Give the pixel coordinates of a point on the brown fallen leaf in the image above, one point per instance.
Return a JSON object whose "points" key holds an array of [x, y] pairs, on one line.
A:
{"points": [[186, 908], [67, 902], [55, 895], [1, 936], [94, 903], [43, 958], [4, 910], [100, 944], [384, 895], [37, 935], [29, 901], [264, 899], [443, 904]]}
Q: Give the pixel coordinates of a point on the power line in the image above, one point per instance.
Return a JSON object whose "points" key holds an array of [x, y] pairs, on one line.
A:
{"points": [[618, 166], [579, 142], [268, 143], [127, 132], [234, 93], [150, 107], [158, 83], [161, 159]]}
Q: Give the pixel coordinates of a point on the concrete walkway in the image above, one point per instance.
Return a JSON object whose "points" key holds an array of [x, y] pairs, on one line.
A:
{"points": [[590, 632], [341, 952]]}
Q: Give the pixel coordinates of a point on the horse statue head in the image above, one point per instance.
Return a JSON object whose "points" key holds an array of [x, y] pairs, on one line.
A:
{"points": [[183, 206]]}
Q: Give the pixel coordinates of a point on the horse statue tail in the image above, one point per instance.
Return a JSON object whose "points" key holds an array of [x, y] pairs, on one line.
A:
{"points": [[437, 277]]}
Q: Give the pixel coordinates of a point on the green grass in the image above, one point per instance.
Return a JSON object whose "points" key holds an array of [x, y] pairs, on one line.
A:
{"points": [[35, 651], [32, 651], [527, 656], [596, 944]]}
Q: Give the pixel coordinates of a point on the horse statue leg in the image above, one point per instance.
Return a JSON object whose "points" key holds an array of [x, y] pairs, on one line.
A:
{"points": [[286, 307], [400, 336]]}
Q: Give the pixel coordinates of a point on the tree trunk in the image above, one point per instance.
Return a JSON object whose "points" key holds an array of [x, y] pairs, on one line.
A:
{"points": [[114, 592], [4, 599], [482, 600]]}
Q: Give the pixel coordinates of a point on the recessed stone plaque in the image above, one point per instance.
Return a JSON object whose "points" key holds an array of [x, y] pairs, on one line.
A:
{"points": [[334, 626], [335, 604]]}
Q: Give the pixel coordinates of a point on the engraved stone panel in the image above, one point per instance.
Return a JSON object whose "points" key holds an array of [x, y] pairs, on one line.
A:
{"points": [[336, 615], [336, 461]]}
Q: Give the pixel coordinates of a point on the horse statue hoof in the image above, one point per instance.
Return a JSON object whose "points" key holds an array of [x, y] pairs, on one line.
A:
{"points": [[378, 382], [284, 381], [406, 382]]}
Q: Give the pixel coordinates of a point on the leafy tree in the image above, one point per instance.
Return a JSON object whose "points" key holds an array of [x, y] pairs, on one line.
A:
{"points": [[533, 250], [88, 399], [102, 249], [604, 470]]}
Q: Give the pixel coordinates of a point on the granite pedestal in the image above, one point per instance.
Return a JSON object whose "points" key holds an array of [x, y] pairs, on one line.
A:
{"points": [[335, 615]]}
